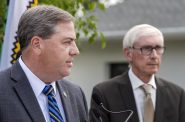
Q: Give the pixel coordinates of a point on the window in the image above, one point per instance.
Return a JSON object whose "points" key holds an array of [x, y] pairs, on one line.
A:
{"points": [[117, 68]]}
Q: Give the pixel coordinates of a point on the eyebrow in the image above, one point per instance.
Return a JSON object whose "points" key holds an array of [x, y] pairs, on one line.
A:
{"points": [[70, 38], [152, 46]]}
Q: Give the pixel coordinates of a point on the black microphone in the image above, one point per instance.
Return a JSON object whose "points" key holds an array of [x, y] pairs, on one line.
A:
{"points": [[98, 101]]}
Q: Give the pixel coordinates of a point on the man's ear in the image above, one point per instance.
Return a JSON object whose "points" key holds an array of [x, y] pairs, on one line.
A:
{"points": [[36, 44], [128, 54]]}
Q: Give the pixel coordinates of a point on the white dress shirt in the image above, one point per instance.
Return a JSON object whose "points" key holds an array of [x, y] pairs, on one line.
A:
{"points": [[139, 93], [37, 86]]}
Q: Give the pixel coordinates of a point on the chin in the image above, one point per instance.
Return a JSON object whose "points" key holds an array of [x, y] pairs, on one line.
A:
{"points": [[66, 73], [153, 72]]}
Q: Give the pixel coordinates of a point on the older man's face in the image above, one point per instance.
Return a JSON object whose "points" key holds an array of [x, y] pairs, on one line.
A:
{"points": [[146, 55]]}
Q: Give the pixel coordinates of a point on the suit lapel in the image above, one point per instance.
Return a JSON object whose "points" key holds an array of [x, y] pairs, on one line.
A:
{"points": [[128, 97], [160, 101], [129, 101], [26, 94], [65, 98]]}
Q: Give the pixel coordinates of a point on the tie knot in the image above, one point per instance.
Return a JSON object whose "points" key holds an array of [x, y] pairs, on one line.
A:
{"points": [[147, 88], [48, 90]]}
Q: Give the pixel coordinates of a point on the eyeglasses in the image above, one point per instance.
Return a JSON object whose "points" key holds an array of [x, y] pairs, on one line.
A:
{"points": [[147, 50]]}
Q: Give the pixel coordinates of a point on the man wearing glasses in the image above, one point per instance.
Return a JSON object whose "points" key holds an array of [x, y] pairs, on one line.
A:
{"points": [[138, 95]]}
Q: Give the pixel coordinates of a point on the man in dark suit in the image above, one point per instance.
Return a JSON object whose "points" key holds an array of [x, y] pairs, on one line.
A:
{"points": [[124, 95], [47, 39]]}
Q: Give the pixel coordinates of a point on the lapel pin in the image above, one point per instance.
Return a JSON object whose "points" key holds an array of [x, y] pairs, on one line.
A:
{"points": [[64, 93]]}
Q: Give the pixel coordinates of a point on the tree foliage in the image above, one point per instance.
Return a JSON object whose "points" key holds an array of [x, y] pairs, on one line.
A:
{"points": [[82, 10], [3, 9]]}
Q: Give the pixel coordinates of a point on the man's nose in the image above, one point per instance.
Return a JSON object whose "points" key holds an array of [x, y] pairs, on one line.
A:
{"points": [[154, 53], [74, 51]]}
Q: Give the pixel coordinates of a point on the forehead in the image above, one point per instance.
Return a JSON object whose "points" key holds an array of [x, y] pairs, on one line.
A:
{"points": [[150, 41], [65, 29], [64, 26]]}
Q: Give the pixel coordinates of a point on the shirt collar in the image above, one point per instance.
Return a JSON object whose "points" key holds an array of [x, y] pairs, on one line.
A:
{"points": [[136, 82], [36, 84]]}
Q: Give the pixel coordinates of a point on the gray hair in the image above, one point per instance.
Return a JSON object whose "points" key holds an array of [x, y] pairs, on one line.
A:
{"points": [[40, 21], [138, 31]]}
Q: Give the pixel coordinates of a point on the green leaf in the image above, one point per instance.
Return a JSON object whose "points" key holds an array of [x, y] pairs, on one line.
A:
{"points": [[91, 40], [101, 6], [92, 6], [103, 41]]}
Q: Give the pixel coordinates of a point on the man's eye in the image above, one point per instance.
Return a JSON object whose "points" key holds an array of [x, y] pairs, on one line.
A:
{"points": [[68, 42], [147, 48], [158, 47]]}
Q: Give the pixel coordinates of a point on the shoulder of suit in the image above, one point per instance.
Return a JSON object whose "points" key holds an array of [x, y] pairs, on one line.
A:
{"points": [[168, 84], [66, 83], [4, 75], [117, 80]]}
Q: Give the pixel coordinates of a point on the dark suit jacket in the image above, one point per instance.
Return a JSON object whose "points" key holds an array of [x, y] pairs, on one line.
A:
{"points": [[116, 94], [19, 104]]}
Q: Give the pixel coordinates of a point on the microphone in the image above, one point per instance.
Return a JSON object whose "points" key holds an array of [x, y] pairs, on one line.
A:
{"points": [[98, 101]]}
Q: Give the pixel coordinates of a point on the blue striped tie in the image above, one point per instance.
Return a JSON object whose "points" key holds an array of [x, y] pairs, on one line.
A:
{"points": [[54, 112]]}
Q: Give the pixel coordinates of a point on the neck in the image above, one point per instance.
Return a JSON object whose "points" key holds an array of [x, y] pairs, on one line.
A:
{"points": [[143, 76]]}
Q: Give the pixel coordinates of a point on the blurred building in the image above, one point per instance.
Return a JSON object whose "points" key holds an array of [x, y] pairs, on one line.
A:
{"points": [[95, 65]]}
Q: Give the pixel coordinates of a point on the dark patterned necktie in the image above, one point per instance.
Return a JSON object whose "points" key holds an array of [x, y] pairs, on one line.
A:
{"points": [[54, 112], [148, 105]]}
